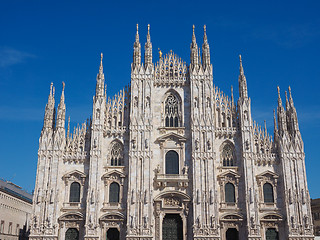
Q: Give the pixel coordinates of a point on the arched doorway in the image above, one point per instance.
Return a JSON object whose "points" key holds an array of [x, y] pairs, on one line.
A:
{"points": [[72, 234], [113, 234], [232, 234], [172, 228], [272, 234]]}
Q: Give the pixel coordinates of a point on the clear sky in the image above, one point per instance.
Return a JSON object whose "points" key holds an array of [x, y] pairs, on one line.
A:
{"points": [[54, 41]]}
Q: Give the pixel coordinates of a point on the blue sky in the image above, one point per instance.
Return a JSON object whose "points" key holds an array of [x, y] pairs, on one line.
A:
{"points": [[54, 41]]}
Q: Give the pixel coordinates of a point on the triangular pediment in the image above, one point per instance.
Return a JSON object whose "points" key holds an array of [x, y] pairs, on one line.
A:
{"points": [[268, 173], [77, 174], [113, 173], [229, 173], [171, 136]]}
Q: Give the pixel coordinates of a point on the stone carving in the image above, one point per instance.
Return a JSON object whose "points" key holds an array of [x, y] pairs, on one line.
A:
{"points": [[172, 201]]}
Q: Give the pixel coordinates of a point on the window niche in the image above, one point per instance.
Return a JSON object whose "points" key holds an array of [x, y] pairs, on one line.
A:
{"points": [[267, 182], [74, 186], [229, 187], [113, 189], [172, 171]]}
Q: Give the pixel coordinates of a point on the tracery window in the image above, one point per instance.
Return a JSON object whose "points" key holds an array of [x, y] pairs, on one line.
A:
{"points": [[114, 192], [227, 155], [172, 111], [74, 192], [172, 162], [230, 193], [116, 154], [268, 193]]}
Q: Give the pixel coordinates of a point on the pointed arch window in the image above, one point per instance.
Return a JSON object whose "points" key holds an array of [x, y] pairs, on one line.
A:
{"points": [[227, 155], [230, 193], [268, 193], [172, 111], [172, 162], [116, 154], [114, 192], [74, 192]]}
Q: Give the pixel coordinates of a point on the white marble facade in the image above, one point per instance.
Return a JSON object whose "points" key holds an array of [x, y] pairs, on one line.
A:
{"points": [[171, 147]]}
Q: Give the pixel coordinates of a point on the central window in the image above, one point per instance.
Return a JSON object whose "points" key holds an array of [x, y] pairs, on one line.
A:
{"points": [[172, 162], [172, 111]]}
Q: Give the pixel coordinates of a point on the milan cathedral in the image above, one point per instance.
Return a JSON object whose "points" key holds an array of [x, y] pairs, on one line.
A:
{"points": [[171, 157]]}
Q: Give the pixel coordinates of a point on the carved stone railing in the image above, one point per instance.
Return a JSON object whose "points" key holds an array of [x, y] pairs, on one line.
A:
{"points": [[164, 180], [266, 159], [225, 131], [76, 157]]}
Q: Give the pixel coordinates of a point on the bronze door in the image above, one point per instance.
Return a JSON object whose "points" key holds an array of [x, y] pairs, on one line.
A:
{"points": [[272, 234], [172, 228], [72, 234], [113, 234], [232, 234]]}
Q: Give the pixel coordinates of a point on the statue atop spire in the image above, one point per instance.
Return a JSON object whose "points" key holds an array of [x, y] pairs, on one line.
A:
{"points": [[137, 50], [243, 91], [61, 110], [205, 49], [148, 50], [194, 58], [100, 79], [49, 116]]}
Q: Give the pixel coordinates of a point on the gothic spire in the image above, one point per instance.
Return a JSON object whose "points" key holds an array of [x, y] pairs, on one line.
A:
{"points": [[243, 91], [137, 50], [100, 80], [194, 50], [287, 102], [281, 115], [205, 49], [275, 121], [290, 97], [61, 110], [294, 117], [148, 50], [50, 111]]}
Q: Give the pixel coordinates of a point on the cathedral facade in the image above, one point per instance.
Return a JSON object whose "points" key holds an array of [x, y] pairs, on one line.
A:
{"points": [[171, 157]]}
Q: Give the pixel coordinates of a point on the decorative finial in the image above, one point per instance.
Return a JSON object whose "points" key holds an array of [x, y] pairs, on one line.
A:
{"points": [[63, 85], [290, 96], [193, 28], [101, 65], [241, 68], [137, 34], [205, 39], [279, 97], [148, 35], [51, 86]]}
